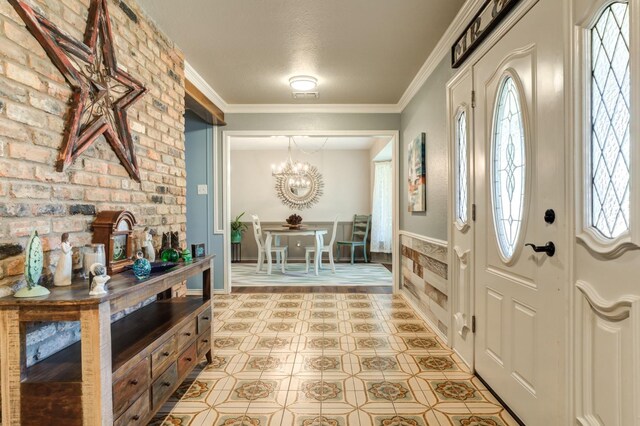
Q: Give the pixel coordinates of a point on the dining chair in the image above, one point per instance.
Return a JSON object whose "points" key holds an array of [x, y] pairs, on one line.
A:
{"points": [[308, 251], [359, 235], [281, 252]]}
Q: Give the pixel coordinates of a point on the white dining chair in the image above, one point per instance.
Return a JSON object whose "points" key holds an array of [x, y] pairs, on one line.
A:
{"points": [[309, 251], [281, 252]]}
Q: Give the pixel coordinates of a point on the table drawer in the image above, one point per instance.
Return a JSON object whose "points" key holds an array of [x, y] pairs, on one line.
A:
{"points": [[186, 334], [187, 360], [204, 342], [204, 320], [163, 386], [136, 414], [163, 355], [128, 388]]}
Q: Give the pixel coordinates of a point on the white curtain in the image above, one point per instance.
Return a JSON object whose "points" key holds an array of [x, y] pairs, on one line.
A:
{"points": [[381, 221]]}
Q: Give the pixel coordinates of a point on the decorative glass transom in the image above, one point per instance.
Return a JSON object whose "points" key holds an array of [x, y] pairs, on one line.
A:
{"points": [[508, 168], [461, 172], [610, 95]]}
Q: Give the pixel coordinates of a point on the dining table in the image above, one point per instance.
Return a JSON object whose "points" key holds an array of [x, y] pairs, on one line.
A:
{"points": [[276, 232]]}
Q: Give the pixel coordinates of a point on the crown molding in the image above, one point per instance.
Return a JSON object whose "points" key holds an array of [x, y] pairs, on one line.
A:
{"points": [[443, 48], [196, 79], [313, 108]]}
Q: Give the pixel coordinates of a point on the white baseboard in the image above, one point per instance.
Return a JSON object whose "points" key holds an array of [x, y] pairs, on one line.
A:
{"points": [[422, 315]]}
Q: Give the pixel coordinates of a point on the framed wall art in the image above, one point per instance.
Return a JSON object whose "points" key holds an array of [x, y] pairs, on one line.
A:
{"points": [[417, 188]]}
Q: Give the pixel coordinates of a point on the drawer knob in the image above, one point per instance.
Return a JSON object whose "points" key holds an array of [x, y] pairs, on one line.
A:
{"points": [[189, 359], [134, 382], [206, 340], [166, 353], [187, 334], [205, 318], [135, 418], [166, 384]]}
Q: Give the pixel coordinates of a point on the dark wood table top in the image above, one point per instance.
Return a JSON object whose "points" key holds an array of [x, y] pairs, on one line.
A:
{"points": [[119, 286]]}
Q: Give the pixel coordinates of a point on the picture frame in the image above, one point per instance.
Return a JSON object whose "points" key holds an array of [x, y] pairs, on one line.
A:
{"points": [[198, 250], [417, 179]]}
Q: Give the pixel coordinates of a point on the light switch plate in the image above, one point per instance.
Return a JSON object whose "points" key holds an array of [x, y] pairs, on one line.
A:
{"points": [[203, 189]]}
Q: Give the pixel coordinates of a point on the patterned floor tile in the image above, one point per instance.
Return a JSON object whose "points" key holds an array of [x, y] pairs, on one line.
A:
{"points": [[328, 359]]}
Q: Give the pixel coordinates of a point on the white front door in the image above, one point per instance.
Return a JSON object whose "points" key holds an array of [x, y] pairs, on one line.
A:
{"points": [[520, 153]]}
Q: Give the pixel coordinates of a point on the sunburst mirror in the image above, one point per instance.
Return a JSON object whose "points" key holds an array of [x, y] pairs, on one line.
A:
{"points": [[297, 196]]}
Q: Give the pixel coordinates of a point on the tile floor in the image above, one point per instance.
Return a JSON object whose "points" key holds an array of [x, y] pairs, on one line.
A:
{"points": [[328, 360]]}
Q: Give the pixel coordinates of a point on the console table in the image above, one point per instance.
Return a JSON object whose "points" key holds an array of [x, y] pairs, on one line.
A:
{"points": [[119, 373]]}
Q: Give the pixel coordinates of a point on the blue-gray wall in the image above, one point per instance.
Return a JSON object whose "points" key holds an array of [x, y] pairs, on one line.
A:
{"points": [[199, 160], [427, 112]]}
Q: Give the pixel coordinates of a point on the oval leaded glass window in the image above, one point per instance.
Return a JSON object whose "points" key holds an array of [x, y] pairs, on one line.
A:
{"points": [[508, 167], [610, 97], [462, 177]]}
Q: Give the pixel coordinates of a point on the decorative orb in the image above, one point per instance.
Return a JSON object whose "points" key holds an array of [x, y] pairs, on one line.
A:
{"points": [[170, 255], [141, 267]]}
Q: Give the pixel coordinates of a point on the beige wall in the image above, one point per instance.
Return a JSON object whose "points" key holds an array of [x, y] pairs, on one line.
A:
{"points": [[346, 185]]}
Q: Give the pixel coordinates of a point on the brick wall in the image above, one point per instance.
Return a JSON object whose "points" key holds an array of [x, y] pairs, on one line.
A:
{"points": [[33, 105]]}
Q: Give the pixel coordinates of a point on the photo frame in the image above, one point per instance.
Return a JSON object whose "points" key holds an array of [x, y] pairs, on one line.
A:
{"points": [[417, 180], [198, 250]]}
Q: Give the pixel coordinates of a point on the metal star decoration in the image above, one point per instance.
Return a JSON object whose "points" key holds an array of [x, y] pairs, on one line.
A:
{"points": [[102, 92]]}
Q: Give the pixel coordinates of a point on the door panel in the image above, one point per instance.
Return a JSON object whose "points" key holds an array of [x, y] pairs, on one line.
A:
{"points": [[459, 99], [521, 320], [606, 293]]}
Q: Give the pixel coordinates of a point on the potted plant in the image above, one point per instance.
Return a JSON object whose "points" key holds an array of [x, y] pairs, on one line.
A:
{"points": [[237, 229]]}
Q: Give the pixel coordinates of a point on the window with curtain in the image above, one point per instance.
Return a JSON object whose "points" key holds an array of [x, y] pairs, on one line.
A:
{"points": [[381, 220]]}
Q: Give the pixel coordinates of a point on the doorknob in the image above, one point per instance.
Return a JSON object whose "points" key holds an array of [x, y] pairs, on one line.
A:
{"points": [[549, 248]]}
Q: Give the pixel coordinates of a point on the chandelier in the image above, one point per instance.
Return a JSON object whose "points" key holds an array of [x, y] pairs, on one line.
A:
{"points": [[295, 173]]}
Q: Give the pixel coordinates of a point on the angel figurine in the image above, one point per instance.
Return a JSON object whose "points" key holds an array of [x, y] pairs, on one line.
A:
{"points": [[148, 245], [62, 276]]}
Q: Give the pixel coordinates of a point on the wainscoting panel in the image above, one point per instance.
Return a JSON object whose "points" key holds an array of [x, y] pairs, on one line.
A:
{"points": [[425, 278], [608, 355]]}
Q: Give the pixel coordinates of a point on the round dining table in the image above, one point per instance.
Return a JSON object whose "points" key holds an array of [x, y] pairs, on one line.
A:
{"points": [[317, 233]]}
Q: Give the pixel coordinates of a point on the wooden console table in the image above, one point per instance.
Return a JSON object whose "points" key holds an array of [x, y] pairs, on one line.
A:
{"points": [[119, 373]]}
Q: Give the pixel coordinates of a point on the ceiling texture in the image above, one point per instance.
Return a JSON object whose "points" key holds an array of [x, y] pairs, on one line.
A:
{"points": [[361, 51]]}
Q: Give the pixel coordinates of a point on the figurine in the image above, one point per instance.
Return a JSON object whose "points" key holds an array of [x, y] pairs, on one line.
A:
{"points": [[100, 279], [62, 276], [33, 269], [147, 244]]}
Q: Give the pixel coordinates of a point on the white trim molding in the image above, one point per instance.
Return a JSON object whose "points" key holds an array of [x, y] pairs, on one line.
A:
{"points": [[313, 108], [424, 238], [197, 80], [226, 185], [442, 49], [586, 234]]}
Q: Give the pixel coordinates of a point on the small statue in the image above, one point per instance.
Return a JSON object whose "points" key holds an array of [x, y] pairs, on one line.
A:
{"points": [[100, 279], [147, 244], [62, 276]]}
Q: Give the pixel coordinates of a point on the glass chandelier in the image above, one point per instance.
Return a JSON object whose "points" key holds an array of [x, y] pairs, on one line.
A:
{"points": [[294, 172]]}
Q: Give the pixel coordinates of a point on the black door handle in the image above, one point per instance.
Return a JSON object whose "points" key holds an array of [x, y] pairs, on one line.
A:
{"points": [[549, 248]]}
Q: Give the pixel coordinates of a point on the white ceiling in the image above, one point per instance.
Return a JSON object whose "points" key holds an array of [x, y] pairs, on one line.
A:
{"points": [[361, 51], [306, 143]]}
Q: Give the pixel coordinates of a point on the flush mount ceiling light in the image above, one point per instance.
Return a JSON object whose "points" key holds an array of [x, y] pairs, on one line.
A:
{"points": [[303, 83]]}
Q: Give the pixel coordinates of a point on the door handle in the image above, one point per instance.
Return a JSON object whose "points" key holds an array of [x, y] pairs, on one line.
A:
{"points": [[549, 248]]}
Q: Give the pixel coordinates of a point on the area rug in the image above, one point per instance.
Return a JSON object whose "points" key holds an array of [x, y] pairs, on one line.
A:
{"points": [[359, 274]]}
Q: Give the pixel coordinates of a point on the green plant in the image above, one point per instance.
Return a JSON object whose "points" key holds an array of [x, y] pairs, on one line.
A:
{"points": [[237, 225]]}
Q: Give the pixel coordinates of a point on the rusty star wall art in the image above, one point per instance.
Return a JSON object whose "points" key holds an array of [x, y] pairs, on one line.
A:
{"points": [[102, 92]]}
